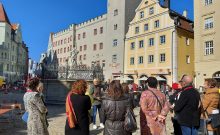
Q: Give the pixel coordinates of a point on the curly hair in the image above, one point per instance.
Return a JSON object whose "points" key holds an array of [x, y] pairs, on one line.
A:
{"points": [[115, 90], [33, 83], [79, 87], [211, 82]]}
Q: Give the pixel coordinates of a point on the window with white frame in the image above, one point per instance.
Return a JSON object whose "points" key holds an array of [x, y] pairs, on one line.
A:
{"points": [[142, 14], [132, 45], [187, 41], [141, 43], [103, 63], [115, 42], [146, 27], [162, 57], [157, 24], [136, 30], [132, 61], [115, 26], [209, 48], [151, 42], [115, 12], [209, 23], [114, 58], [187, 59], [140, 60], [150, 58], [151, 10], [162, 39], [208, 2]]}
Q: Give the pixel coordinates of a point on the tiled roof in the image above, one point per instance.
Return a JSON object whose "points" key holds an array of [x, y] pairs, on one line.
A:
{"points": [[3, 15], [14, 26]]}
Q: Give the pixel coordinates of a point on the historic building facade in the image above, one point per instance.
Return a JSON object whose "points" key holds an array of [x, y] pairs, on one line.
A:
{"points": [[99, 40], [159, 42], [13, 51], [207, 26]]}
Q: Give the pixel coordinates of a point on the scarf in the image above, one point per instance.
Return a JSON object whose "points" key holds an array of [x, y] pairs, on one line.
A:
{"points": [[70, 113]]}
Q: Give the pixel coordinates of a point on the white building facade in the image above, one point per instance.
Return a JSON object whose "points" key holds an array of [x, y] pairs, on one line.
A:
{"points": [[99, 40]]}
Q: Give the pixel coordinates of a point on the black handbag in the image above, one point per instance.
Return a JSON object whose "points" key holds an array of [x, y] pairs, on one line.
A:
{"points": [[215, 120], [130, 123]]}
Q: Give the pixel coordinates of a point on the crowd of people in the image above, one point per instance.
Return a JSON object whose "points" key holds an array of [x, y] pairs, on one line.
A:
{"points": [[114, 102]]}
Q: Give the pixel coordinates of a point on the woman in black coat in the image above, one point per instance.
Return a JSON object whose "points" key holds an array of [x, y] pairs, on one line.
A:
{"points": [[81, 105], [113, 112]]}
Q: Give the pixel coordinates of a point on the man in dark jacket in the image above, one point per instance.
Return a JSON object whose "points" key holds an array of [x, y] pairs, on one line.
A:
{"points": [[95, 91], [187, 108]]}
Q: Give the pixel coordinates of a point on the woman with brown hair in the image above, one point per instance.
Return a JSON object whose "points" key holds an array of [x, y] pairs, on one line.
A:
{"points": [[210, 101], [113, 112], [77, 106], [36, 123]]}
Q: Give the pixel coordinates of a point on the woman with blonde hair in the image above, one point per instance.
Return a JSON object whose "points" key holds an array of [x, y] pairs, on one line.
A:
{"points": [[210, 102], [77, 109]]}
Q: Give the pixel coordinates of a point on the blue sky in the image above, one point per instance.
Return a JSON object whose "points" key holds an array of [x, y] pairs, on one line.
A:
{"points": [[40, 17]]}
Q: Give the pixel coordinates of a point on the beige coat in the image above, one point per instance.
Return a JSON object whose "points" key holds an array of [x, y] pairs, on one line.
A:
{"points": [[210, 102]]}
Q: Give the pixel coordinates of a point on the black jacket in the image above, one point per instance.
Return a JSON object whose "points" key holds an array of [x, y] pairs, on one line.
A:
{"points": [[187, 107], [113, 114]]}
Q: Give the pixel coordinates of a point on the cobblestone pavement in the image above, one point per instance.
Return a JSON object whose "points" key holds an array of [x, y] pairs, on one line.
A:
{"points": [[11, 123]]}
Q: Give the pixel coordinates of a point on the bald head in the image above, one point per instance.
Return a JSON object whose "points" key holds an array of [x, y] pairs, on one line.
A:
{"points": [[188, 80]]}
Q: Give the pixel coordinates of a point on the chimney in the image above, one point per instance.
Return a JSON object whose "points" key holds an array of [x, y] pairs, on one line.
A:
{"points": [[166, 3], [185, 13]]}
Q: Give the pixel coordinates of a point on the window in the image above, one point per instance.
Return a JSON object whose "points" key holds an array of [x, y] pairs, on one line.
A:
{"points": [[114, 58], [101, 30], [141, 44], [115, 26], [187, 59], [80, 57], [12, 58], [60, 60], [85, 47], [136, 30], [65, 50], [132, 45], [187, 41], [58, 51], [140, 60], [80, 48], [7, 67], [142, 14], [84, 57], [78, 36], [151, 10], [95, 31], [146, 27], [103, 63], [115, 42], [94, 47], [209, 23], [150, 58], [71, 37], [84, 35], [61, 50], [208, 2], [115, 12], [162, 57], [68, 49], [61, 42], [209, 48], [151, 42], [100, 46], [157, 24], [132, 61], [162, 39]]}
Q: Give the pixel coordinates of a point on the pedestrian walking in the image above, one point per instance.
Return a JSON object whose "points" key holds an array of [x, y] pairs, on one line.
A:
{"points": [[210, 102], [114, 106], [95, 91], [36, 123], [187, 107], [128, 94], [77, 110], [154, 109]]}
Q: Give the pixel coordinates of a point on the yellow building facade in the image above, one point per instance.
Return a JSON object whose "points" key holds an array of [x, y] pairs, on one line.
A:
{"points": [[159, 42]]}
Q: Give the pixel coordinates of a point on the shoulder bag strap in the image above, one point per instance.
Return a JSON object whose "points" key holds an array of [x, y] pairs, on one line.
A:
{"points": [[203, 110], [157, 99]]}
